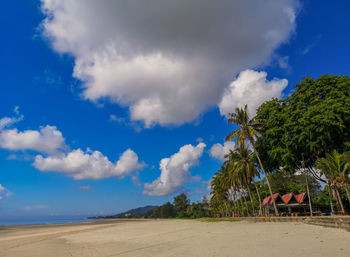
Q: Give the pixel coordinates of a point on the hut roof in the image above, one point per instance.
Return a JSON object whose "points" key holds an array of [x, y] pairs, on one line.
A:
{"points": [[300, 197], [268, 200], [286, 199]]}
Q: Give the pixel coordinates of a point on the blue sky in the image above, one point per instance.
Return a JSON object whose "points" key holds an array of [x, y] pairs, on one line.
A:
{"points": [[157, 81]]}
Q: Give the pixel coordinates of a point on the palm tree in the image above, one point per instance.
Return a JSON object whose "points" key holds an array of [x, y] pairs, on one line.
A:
{"points": [[247, 132], [344, 176], [220, 186], [336, 167], [242, 169]]}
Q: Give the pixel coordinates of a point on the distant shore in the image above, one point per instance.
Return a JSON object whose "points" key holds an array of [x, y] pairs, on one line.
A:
{"points": [[67, 224], [145, 237]]}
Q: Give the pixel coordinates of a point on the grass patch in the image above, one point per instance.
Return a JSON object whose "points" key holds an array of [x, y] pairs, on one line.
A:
{"points": [[218, 219]]}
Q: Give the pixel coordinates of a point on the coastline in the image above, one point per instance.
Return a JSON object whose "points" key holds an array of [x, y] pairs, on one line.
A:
{"points": [[67, 224], [173, 237]]}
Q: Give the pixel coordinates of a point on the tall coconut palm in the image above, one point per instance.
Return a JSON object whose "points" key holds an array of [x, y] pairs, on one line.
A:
{"points": [[247, 132]]}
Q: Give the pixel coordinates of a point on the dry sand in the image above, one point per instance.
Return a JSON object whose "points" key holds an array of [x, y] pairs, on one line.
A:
{"points": [[175, 238]]}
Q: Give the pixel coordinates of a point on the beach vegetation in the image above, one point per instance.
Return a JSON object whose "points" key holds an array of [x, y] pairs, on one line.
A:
{"points": [[299, 144]]}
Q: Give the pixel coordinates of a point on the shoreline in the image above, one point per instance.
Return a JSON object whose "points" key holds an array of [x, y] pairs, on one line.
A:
{"points": [[87, 222], [174, 237], [331, 221]]}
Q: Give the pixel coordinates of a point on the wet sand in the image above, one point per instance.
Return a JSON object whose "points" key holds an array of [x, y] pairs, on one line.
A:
{"points": [[174, 238]]}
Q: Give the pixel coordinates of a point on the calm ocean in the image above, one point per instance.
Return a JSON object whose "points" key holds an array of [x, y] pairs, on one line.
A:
{"points": [[42, 220]]}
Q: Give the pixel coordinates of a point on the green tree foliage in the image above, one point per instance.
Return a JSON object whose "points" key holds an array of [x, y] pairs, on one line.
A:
{"points": [[324, 198], [313, 120], [220, 184], [336, 168], [167, 211], [223, 204], [180, 204], [198, 210], [233, 183], [247, 131], [285, 182], [181, 208]]}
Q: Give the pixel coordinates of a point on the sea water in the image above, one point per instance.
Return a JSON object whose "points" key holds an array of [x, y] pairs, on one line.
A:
{"points": [[43, 220]]}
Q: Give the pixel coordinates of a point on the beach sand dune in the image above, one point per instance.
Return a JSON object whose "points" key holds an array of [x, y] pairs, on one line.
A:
{"points": [[175, 238]]}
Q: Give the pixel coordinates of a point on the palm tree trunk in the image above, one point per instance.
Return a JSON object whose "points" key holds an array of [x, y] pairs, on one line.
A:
{"points": [[340, 200], [335, 197], [258, 193], [346, 186], [308, 194], [240, 199], [251, 200], [267, 180], [234, 208], [330, 197], [235, 203], [246, 205]]}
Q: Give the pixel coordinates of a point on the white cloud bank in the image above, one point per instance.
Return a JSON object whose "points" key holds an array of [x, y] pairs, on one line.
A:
{"points": [[89, 164], [166, 60], [175, 171], [49, 141], [218, 151], [252, 88]]}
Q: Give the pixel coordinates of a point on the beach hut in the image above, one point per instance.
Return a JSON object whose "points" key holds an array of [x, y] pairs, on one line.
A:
{"points": [[288, 204]]}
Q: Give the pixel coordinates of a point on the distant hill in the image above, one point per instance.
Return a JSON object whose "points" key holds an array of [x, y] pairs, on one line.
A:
{"points": [[140, 210]]}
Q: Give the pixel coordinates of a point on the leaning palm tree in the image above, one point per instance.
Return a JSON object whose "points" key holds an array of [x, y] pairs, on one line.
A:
{"points": [[247, 132]]}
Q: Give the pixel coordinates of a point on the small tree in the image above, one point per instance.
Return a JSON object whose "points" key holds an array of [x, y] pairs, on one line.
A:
{"points": [[180, 204], [167, 211]]}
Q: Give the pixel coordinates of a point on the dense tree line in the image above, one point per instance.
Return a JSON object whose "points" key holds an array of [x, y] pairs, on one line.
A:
{"points": [[297, 141], [296, 144], [180, 208]]}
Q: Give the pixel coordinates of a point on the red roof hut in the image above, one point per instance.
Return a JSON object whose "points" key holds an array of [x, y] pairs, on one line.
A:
{"points": [[288, 202]]}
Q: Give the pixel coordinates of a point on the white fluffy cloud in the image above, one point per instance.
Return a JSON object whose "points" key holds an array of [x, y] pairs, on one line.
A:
{"points": [[219, 151], [175, 171], [89, 164], [166, 60], [47, 140], [50, 142], [252, 88]]}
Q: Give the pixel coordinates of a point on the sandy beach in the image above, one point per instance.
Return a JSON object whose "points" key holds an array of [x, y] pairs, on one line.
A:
{"points": [[174, 238]]}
